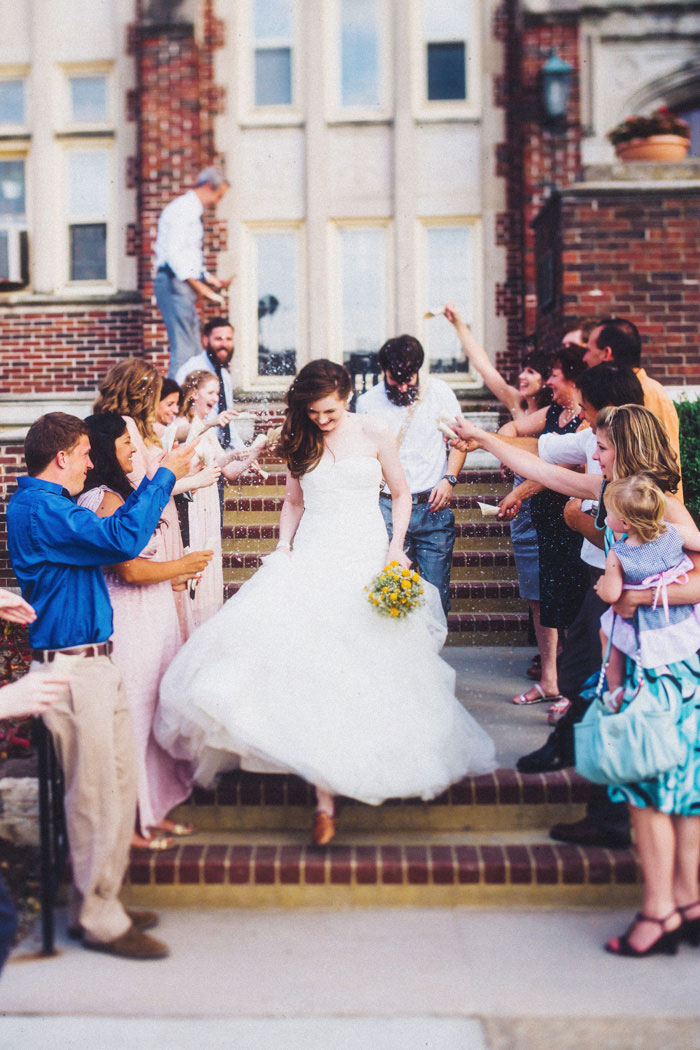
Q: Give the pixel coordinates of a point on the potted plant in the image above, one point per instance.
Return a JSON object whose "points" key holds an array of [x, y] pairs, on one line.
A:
{"points": [[661, 136]]}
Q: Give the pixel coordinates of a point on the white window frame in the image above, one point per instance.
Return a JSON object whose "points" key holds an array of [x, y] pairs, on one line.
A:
{"points": [[71, 70], [336, 111], [336, 229], [252, 114], [447, 109], [92, 286], [17, 73], [476, 322], [247, 357]]}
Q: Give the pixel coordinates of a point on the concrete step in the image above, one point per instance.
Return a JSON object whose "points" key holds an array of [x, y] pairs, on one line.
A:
{"points": [[482, 842], [257, 536]]}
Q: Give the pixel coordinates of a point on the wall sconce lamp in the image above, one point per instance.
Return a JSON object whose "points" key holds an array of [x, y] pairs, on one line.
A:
{"points": [[556, 85]]}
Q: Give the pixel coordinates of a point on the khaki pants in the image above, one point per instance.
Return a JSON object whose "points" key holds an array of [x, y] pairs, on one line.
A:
{"points": [[93, 737]]}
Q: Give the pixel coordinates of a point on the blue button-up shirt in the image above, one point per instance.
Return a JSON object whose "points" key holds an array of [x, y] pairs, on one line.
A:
{"points": [[57, 547]]}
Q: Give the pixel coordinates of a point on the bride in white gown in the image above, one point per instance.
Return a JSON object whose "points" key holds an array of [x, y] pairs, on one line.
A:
{"points": [[298, 672]]}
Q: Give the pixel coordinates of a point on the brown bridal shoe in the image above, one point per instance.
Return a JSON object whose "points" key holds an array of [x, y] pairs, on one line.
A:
{"points": [[131, 945], [143, 920], [324, 828]]}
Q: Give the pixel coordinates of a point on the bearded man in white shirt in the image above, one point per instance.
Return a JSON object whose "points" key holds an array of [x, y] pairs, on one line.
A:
{"points": [[412, 410], [181, 277]]}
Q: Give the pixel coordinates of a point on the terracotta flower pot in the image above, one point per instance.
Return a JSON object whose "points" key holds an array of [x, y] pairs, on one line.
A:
{"points": [[655, 147]]}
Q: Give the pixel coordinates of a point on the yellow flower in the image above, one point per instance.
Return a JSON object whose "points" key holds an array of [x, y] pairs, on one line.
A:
{"points": [[393, 612], [405, 572], [405, 585], [415, 577]]}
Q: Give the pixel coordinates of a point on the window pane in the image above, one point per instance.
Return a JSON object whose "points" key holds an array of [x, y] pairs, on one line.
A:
{"points": [[447, 74], [363, 290], [12, 197], [273, 18], [449, 268], [88, 252], [276, 267], [88, 96], [4, 255], [446, 19], [88, 184], [359, 52], [11, 102], [273, 77]]}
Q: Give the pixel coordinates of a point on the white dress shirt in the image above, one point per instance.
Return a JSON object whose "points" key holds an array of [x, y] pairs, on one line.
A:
{"points": [[180, 236], [423, 451], [572, 450], [201, 363]]}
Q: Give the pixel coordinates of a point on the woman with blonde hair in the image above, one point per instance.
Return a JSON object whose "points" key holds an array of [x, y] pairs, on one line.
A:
{"points": [[665, 812], [199, 395]]}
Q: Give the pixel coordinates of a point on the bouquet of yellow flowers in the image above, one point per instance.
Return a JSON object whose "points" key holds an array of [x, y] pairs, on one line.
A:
{"points": [[395, 591]]}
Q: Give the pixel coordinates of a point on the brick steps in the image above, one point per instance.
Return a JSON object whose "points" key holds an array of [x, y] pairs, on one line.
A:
{"points": [[482, 842]]}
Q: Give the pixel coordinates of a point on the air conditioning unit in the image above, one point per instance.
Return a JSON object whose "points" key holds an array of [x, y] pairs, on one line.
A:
{"points": [[14, 256]]}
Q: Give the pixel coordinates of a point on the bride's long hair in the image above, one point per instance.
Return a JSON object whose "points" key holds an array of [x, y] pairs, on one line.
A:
{"points": [[301, 441]]}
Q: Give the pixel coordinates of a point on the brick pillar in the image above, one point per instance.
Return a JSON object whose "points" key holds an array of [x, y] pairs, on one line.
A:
{"points": [[175, 103]]}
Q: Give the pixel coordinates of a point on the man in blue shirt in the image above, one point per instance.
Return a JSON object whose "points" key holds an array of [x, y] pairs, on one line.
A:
{"points": [[57, 549]]}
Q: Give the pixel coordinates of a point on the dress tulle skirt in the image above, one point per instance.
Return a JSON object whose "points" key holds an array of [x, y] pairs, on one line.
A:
{"points": [[298, 673]]}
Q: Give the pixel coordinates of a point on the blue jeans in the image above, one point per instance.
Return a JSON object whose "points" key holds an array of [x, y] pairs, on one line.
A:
{"points": [[177, 303], [430, 540], [8, 923]]}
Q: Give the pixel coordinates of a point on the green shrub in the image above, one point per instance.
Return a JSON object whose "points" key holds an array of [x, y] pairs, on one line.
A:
{"points": [[689, 418]]}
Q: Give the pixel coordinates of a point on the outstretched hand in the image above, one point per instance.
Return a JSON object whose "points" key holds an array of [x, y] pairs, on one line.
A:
{"points": [[14, 608], [178, 460], [32, 695]]}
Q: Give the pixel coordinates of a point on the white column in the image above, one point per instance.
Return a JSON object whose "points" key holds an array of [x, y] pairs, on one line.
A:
{"points": [[44, 175]]}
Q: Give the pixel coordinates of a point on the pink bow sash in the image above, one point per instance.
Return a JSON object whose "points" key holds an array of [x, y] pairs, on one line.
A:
{"points": [[660, 581]]}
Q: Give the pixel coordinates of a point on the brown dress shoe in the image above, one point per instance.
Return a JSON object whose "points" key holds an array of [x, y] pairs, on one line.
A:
{"points": [[143, 920], [131, 945], [323, 828]]}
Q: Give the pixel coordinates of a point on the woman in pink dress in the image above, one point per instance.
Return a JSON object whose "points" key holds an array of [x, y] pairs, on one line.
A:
{"points": [[146, 631]]}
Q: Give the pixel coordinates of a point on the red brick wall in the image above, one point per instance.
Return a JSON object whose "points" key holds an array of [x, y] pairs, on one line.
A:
{"points": [[639, 248], [65, 350], [534, 158], [11, 464]]}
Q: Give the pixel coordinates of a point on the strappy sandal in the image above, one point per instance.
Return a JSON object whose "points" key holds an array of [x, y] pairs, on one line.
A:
{"points": [[154, 845], [690, 928], [539, 698], [666, 944], [178, 830]]}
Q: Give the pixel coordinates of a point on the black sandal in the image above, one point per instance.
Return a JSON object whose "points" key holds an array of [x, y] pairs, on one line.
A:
{"points": [[666, 944], [690, 928]]}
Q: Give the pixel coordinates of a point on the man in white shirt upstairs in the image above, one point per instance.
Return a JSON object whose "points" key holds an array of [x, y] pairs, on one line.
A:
{"points": [[181, 277], [412, 410]]}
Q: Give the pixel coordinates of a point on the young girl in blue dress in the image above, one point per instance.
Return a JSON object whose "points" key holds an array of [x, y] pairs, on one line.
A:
{"points": [[646, 553]]}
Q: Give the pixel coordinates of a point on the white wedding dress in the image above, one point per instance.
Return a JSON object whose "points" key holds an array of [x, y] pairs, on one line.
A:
{"points": [[299, 673]]}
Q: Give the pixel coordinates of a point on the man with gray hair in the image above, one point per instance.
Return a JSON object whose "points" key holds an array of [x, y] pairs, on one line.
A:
{"points": [[181, 277]]}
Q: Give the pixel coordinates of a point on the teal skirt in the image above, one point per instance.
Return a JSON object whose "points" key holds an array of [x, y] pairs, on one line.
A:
{"points": [[678, 686]]}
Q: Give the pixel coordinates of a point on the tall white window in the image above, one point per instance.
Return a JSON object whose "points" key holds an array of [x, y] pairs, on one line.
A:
{"points": [[446, 28], [273, 32], [451, 274], [276, 266], [360, 53], [363, 293], [12, 103], [88, 206], [13, 221]]}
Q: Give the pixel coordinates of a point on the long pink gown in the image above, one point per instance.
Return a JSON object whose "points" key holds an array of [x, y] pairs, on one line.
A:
{"points": [[205, 534], [144, 464], [146, 638]]}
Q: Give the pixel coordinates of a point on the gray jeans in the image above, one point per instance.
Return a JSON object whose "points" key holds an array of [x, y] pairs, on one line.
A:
{"points": [[177, 302]]}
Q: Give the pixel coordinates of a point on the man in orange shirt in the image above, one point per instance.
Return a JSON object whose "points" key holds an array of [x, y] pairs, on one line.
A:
{"points": [[617, 339]]}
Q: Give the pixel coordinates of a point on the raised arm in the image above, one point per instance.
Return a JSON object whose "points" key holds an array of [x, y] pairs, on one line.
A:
{"points": [[560, 479], [477, 356]]}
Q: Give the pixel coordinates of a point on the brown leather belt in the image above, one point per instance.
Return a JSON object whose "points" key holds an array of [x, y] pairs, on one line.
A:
{"points": [[47, 656], [416, 497]]}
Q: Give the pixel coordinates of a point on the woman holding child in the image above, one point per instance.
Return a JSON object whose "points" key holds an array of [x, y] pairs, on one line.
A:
{"points": [[665, 812]]}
